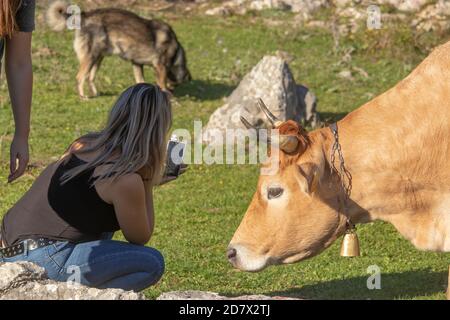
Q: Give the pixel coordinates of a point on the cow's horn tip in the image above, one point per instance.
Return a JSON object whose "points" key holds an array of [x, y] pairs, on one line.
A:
{"points": [[278, 123]]}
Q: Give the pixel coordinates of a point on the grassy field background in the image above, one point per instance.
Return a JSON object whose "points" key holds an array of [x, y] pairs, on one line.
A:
{"points": [[197, 215]]}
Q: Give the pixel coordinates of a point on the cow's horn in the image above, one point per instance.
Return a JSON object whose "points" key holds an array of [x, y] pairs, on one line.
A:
{"points": [[288, 144], [273, 120], [247, 124]]}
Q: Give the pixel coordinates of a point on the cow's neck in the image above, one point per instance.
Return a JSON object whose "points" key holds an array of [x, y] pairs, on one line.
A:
{"points": [[397, 149]]}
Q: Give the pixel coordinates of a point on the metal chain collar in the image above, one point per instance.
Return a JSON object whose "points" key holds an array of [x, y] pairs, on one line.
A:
{"points": [[344, 175]]}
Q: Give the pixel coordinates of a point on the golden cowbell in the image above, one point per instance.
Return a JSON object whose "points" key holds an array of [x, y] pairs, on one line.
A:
{"points": [[350, 244]]}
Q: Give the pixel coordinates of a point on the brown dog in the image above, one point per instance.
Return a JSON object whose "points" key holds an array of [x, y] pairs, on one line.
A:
{"points": [[119, 32]]}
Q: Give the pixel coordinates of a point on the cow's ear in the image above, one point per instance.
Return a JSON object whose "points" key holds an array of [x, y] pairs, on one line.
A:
{"points": [[311, 173], [293, 138]]}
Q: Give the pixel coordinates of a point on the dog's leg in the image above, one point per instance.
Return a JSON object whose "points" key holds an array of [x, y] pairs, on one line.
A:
{"points": [[86, 59], [83, 74], [92, 75], [138, 71], [161, 72]]}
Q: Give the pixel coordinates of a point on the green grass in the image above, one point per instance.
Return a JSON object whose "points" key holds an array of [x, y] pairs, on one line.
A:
{"points": [[197, 215]]}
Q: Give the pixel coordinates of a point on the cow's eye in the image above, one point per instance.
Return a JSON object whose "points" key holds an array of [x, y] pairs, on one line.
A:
{"points": [[273, 193]]}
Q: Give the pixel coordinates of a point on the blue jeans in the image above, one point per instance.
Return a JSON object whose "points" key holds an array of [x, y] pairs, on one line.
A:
{"points": [[101, 264]]}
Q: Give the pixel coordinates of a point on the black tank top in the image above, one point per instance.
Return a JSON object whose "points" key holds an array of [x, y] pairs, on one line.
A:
{"points": [[78, 215], [78, 203]]}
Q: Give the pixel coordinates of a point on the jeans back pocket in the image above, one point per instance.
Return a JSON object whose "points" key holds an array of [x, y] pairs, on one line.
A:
{"points": [[59, 252]]}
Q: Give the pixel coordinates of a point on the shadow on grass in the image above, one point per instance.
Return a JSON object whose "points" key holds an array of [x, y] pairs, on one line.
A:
{"points": [[199, 89], [203, 90], [405, 285], [108, 94]]}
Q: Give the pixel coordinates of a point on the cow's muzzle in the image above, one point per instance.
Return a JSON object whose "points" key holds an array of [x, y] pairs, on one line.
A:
{"points": [[241, 258], [231, 254]]}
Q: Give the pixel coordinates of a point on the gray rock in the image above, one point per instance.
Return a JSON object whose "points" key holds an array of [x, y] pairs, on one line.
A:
{"points": [[206, 295], [306, 7], [219, 11], [345, 74], [407, 5], [27, 281], [16, 275], [272, 81], [401, 5], [434, 17], [308, 106], [355, 14]]}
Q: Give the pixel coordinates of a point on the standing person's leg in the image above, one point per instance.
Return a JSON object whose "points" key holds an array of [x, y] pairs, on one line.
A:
{"points": [[2, 46], [115, 264], [448, 285]]}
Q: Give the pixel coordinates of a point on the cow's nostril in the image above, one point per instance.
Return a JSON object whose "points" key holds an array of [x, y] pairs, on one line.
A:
{"points": [[231, 253]]}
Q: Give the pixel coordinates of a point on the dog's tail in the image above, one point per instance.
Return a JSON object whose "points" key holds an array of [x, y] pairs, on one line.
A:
{"points": [[57, 15]]}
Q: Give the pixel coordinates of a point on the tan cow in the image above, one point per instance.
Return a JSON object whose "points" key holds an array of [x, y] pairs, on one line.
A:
{"points": [[396, 147]]}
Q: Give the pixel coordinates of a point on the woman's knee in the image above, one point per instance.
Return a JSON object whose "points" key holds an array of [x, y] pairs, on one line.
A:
{"points": [[154, 265], [150, 271]]}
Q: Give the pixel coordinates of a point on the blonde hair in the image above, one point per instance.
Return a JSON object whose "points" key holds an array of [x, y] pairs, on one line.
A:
{"points": [[8, 10], [135, 136]]}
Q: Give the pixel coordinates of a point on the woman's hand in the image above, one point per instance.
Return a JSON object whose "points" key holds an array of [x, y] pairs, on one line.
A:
{"points": [[19, 158], [166, 179], [144, 173]]}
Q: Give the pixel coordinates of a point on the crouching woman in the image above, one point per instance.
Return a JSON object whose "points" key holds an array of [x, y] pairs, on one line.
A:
{"points": [[103, 183]]}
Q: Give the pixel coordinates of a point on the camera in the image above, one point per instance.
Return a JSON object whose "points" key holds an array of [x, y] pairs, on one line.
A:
{"points": [[174, 159]]}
